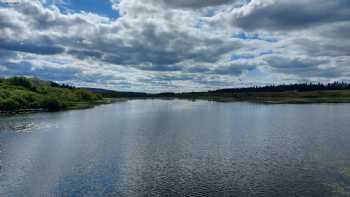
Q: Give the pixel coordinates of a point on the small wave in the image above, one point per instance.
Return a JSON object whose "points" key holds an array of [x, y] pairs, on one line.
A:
{"points": [[22, 127]]}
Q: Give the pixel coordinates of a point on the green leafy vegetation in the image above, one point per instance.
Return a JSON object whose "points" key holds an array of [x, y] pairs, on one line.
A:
{"points": [[21, 93]]}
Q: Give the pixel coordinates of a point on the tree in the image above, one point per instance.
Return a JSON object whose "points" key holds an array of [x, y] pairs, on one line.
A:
{"points": [[21, 81]]}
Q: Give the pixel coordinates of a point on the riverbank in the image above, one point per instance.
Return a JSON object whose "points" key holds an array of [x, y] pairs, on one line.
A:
{"points": [[26, 95], [73, 106], [286, 97], [20, 95], [265, 98], [283, 100]]}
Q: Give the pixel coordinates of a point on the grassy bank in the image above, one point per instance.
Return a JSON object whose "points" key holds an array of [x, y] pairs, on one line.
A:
{"points": [[20, 94], [284, 97], [280, 94]]}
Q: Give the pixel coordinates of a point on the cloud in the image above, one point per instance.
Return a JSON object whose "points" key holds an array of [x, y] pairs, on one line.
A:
{"points": [[159, 45], [308, 68], [83, 54], [235, 69], [47, 73], [178, 4], [30, 47], [285, 15], [5, 55], [299, 66], [194, 4]]}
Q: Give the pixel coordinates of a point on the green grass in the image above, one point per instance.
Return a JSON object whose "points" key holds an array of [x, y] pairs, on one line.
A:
{"points": [[20, 93], [346, 173]]}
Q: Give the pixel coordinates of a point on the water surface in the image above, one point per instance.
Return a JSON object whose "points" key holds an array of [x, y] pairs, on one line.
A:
{"points": [[178, 148]]}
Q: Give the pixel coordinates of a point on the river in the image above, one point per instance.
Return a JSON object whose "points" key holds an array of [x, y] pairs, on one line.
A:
{"points": [[178, 148]]}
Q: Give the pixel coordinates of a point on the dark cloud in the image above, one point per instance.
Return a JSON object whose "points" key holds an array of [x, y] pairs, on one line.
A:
{"points": [[293, 64], [235, 69], [339, 31], [290, 15], [162, 68], [305, 67], [83, 54], [25, 68], [198, 69], [194, 4], [326, 47], [29, 47], [5, 55]]}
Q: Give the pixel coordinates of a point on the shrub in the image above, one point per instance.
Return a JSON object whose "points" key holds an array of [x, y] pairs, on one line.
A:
{"points": [[52, 104], [24, 93], [86, 96], [21, 81], [9, 104]]}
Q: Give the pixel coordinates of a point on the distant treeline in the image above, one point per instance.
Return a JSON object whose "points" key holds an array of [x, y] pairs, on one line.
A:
{"points": [[57, 85], [293, 93], [117, 94], [303, 87]]}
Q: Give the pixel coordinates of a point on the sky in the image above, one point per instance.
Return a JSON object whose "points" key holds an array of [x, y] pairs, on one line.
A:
{"points": [[175, 45]]}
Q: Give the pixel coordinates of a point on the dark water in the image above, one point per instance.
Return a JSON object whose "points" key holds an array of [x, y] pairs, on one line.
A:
{"points": [[178, 148]]}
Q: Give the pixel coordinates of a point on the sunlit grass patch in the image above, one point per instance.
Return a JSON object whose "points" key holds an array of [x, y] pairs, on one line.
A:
{"points": [[341, 189], [346, 173]]}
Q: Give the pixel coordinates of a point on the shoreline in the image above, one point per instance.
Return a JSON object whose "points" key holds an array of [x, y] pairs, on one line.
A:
{"points": [[77, 106], [22, 111], [267, 101]]}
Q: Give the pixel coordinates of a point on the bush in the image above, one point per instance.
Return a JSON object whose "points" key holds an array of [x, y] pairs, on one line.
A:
{"points": [[52, 104], [9, 104], [86, 96], [27, 93], [20, 100], [4, 94]]}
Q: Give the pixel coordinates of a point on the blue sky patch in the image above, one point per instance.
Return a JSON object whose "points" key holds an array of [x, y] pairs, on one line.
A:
{"points": [[241, 56], [100, 7], [254, 36]]}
